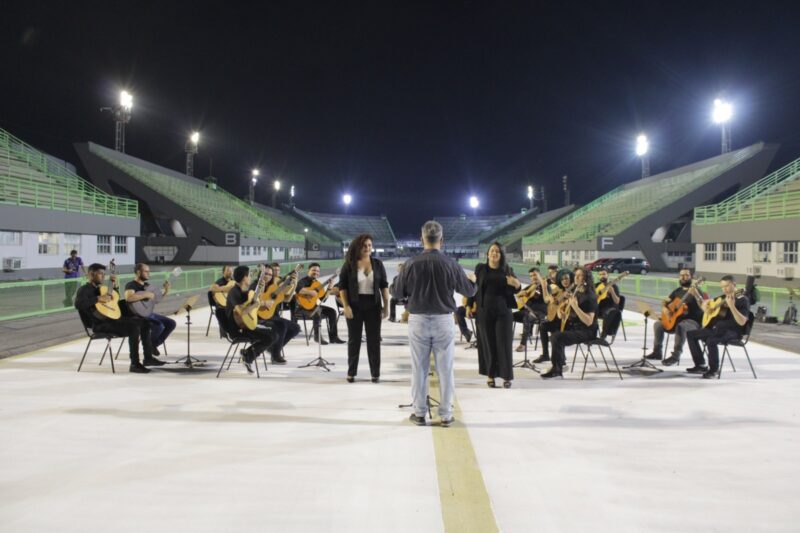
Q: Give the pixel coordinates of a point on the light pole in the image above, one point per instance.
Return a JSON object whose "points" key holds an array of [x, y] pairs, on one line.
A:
{"points": [[276, 188], [191, 150], [347, 199], [474, 204], [722, 114], [253, 180], [530, 196], [121, 113], [305, 234], [291, 196], [642, 147]]}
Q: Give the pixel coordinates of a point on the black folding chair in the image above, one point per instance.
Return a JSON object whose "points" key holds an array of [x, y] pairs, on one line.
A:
{"points": [[600, 344], [741, 343], [622, 317], [212, 303], [87, 327], [235, 340]]}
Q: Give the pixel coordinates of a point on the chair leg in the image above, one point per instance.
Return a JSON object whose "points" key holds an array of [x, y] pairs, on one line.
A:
{"points": [[305, 331], [233, 354], [208, 327], [753, 370], [585, 359], [119, 349], [225, 359], [575, 356], [603, 355], [113, 370], [615, 362], [88, 344], [722, 361], [622, 325]]}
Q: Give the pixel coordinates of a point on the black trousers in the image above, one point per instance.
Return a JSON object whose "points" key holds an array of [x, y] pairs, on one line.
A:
{"points": [[132, 327], [495, 341], [713, 338], [527, 320], [366, 316], [570, 337], [393, 307], [612, 318], [545, 329], [261, 339], [284, 330], [326, 312], [461, 319]]}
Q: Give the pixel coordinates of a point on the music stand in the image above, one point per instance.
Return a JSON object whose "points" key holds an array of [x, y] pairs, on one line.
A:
{"points": [[647, 311], [187, 305], [320, 361]]}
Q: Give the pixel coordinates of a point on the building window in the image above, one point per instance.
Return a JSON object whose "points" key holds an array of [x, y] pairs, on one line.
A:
{"points": [[72, 241], [710, 251], [104, 244], [729, 252], [10, 238], [120, 244], [48, 244], [762, 252], [789, 253]]}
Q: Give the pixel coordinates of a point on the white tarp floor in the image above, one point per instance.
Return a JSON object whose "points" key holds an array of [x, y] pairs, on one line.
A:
{"points": [[302, 450]]}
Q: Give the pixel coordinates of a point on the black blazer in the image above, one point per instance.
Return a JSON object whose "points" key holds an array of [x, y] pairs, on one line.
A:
{"points": [[348, 281], [480, 277]]}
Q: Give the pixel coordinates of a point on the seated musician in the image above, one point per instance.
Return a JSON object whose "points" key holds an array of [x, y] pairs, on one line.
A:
{"points": [[534, 310], [140, 289], [262, 337], [461, 315], [686, 323], [728, 326], [288, 301], [551, 294], [283, 329], [223, 284], [394, 301], [582, 324], [87, 298], [609, 309], [552, 274], [328, 312]]}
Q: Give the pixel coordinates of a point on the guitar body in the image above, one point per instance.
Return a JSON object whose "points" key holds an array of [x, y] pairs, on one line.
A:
{"points": [[109, 310], [309, 303], [244, 319], [602, 289], [677, 308], [222, 297], [271, 293], [715, 309], [552, 307]]}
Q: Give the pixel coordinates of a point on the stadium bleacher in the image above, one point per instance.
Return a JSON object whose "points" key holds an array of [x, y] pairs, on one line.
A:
{"points": [[511, 235], [349, 226], [320, 235], [216, 206], [30, 178], [467, 230]]}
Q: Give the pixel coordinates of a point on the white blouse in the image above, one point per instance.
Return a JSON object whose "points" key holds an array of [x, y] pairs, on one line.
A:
{"points": [[366, 283]]}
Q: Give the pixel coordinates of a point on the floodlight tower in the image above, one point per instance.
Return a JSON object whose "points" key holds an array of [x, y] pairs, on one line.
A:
{"points": [[347, 199], [122, 115], [722, 114], [474, 204], [253, 180], [530, 196], [642, 149], [291, 195], [276, 189], [191, 150]]}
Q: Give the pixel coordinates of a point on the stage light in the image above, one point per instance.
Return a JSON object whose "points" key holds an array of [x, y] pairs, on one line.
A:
{"points": [[723, 111], [642, 145], [126, 101]]}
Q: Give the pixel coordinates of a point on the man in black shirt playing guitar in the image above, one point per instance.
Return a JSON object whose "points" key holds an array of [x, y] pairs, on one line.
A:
{"points": [[140, 289]]}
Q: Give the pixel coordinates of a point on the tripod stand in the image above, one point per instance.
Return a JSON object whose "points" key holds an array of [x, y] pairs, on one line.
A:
{"points": [[643, 363], [188, 360], [320, 361]]}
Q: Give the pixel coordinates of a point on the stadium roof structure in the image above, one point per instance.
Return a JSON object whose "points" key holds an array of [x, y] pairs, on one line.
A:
{"points": [[33, 180], [627, 217], [769, 209], [349, 226], [205, 215]]}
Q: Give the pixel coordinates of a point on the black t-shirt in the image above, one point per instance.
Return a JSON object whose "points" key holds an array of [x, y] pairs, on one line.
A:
{"points": [[304, 283], [608, 301], [135, 286], [235, 297], [695, 312], [536, 299], [494, 287], [728, 322], [588, 304], [221, 282]]}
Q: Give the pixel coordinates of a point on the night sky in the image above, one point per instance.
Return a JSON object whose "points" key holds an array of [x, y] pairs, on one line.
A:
{"points": [[410, 106]]}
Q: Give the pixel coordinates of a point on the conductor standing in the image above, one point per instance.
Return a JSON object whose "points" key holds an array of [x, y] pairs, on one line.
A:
{"points": [[429, 281]]}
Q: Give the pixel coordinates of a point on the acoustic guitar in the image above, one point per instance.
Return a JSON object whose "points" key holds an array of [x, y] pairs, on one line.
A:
{"points": [[717, 308], [222, 297], [276, 292], [603, 288], [526, 294], [246, 315], [309, 303], [556, 293], [678, 307], [564, 310], [109, 310], [145, 308]]}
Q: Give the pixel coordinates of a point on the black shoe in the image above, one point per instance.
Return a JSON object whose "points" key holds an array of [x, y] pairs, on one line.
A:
{"points": [[418, 420], [654, 356], [351, 379], [138, 368], [337, 340], [710, 374], [152, 361], [672, 360], [553, 373], [697, 370], [247, 359], [490, 383], [322, 341], [542, 359], [376, 380], [278, 360], [506, 384], [155, 351], [392, 319], [447, 422], [468, 337]]}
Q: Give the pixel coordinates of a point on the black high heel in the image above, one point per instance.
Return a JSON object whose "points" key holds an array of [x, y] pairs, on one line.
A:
{"points": [[506, 384], [351, 379], [490, 383]]}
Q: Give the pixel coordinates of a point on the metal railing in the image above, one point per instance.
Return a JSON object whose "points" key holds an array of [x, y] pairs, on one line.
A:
{"points": [[776, 205], [22, 299], [31, 179]]}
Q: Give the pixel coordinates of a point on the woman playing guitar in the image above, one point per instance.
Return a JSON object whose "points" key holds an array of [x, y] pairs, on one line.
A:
{"points": [[552, 294]]}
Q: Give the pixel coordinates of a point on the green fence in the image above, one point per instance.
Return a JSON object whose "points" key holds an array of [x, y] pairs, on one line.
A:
{"points": [[34, 298], [658, 287]]}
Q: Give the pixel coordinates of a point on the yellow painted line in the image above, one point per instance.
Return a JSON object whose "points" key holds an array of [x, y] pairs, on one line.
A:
{"points": [[465, 501]]}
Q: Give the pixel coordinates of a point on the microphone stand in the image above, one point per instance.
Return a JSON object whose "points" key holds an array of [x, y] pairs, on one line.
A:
{"points": [[643, 363], [188, 360]]}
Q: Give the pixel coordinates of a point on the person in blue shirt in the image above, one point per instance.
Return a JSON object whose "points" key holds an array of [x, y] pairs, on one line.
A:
{"points": [[72, 269]]}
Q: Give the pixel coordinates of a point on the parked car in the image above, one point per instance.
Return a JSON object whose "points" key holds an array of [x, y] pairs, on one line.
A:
{"points": [[634, 265], [598, 264]]}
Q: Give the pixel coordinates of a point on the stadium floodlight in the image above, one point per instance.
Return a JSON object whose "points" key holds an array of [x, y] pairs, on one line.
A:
{"points": [[642, 149], [191, 149], [474, 203], [121, 112], [722, 115], [305, 230], [291, 191], [530, 196], [253, 181], [277, 185], [347, 199]]}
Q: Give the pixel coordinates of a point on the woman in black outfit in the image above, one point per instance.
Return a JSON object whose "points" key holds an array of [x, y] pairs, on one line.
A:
{"points": [[495, 298], [364, 291]]}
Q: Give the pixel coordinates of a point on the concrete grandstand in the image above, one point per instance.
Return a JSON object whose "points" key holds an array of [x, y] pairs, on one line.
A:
{"points": [[648, 218], [753, 232], [349, 226]]}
